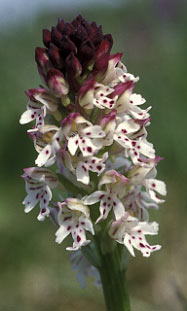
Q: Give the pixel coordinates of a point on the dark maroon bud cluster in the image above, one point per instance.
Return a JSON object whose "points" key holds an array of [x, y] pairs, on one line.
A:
{"points": [[75, 49]]}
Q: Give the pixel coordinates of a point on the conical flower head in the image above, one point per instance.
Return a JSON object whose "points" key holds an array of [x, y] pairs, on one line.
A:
{"points": [[75, 49]]}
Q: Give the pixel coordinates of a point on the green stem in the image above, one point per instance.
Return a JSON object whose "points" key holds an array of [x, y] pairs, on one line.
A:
{"points": [[70, 187], [113, 281]]}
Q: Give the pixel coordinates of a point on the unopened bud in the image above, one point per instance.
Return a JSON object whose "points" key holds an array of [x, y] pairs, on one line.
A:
{"points": [[74, 69], [86, 93], [44, 97], [60, 24], [102, 57], [46, 37], [43, 61], [56, 36], [56, 82], [54, 55]]}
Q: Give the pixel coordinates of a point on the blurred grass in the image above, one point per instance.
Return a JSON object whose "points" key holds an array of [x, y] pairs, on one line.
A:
{"points": [[34, 271]]}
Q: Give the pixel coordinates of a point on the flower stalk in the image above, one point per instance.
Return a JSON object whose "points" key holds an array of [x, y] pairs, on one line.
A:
{"points": [[113, 280]]}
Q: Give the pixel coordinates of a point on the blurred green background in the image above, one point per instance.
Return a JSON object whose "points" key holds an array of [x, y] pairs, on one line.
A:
{"points": [[35, 274]]}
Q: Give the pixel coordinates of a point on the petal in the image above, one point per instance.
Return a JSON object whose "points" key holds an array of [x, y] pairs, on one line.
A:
{"points": [[46, 98], [51, 161], [43, 213], [155, 197], [86, 93], [128, 126], [61, 233], [30, 202], [137, 99], [27, 117], [146, 148], [118, 208], [82, 173], [78, 205], [43, 156], [148, 228], [46, 196], [140, 114], [39, 175], [73, 142], [86, 224], [116, 230], [94, 197], [157, 185], [128, 243], [87, 147], [79, 237], [106, 205], [94, 131]]}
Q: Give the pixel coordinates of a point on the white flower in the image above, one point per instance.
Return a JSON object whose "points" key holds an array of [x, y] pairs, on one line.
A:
{"points": [[93, 164], [108, 125], [131, 232], [154, 186], [143, 189], [38, 183], [73, 217], [132, 138], [95, 94], [81, 134], [136, 202], [108, 199], [47, 142], [123, 75], [145, 176], [39, 102], [114, 182]]}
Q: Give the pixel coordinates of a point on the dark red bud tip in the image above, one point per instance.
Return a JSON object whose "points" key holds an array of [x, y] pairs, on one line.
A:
{"points": [[56, 36], [46, 37], [73, 69], [41, 55], [68, 29], [86, 51], [73, 66], [102, 57], [55, 72], [54, 55], [43, 62], [109, 38], [78, 21], [67, 46], [74, 48], [60, 24], [96, 34]]}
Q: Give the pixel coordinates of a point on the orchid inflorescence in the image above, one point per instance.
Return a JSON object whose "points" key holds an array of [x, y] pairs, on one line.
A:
{"points": [[90, 129]]}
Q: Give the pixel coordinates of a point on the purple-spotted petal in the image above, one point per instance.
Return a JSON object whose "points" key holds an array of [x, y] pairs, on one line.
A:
{"points": [[43, 156], [62, 233], [82, 173], [73, 143], [94, 197]]}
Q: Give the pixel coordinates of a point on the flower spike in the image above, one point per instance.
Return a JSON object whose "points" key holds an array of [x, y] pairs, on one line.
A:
{"points": [[91, 128]]}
